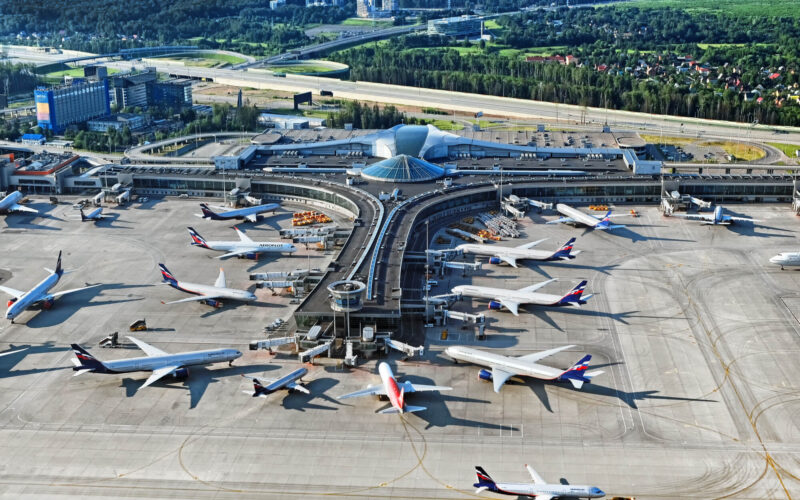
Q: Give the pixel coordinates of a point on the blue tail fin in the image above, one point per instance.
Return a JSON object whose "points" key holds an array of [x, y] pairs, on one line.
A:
{"points": [[59, 271], [86, 361], [484, 480], [197, 240], [574, 295], [167, 276], [577, 374], [606, 221], [564, 251]]}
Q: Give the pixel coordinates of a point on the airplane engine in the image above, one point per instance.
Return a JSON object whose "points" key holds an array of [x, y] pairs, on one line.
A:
{"points": [[494, 305], [181, 373], [485, 375], [47, 303], [11, 301], [213, 303], [251, 256], [494, 260]]}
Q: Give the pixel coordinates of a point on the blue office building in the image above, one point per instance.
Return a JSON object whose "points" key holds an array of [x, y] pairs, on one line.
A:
{"points": [[59, 107]]}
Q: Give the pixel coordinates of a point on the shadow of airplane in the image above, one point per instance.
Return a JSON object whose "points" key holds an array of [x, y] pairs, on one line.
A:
{"points": [[300, 401], [68, 305], [17, 352], [542, 314], [111, 220]]}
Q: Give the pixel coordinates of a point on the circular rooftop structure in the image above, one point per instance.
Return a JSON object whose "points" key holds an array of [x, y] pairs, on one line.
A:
{"points": [[402, 168], [346, 295]]}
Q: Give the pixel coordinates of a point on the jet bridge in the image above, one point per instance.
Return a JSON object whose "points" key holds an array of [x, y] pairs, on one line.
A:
{"points": [[268, 344], [310, 354], [406, 349], [478, 319]]}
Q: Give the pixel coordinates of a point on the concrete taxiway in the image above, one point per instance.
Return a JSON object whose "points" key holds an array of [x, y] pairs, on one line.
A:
{"points": [[696, 331]]}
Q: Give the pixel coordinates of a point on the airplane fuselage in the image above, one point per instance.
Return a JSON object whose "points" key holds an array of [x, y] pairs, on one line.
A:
{"points": [[285, 381], [95, 215], [36, 294], [150, 363], [577, 216], [254, 247], [219, 292], [242, 213], [516, 253], [10, 200], [390, 384], [553, 490], [492, 294], [784, 259], [514, 365]]}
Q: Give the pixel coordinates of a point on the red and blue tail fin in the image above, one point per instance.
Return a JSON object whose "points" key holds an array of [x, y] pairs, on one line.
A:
{"points": [[605, 221], [258, 388], [484, 480], [86, 362], [197, 240], [564, 251], [208, 214], [577, 374], [574, 295], [167, 276]]}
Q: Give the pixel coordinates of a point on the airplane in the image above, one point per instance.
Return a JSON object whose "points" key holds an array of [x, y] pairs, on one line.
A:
{"points": [[10, 204], [510, 255], [791, 259], [394, 391], [718, 218], [95, 215], [286, 382], [539, 488], [250, 213], [157, 361], [512, 299], [39, 293], [206, 293], [245, 247], [505, 367], [575, 216]]}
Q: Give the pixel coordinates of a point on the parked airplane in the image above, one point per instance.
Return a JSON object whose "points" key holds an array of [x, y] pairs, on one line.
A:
{"points": [[575, 216], [95, 215], [512, 299], [539, 488], [510, 255], [783, 259], [10, 204], [718, 218], [250, 213], [206, 293], [157, 361], [39, 294], [505, 367], [394, 391], [288, 382], [245, 247]]}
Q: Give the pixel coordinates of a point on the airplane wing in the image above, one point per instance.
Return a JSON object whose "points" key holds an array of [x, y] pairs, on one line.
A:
{"points": [[741, 219], [499, 377], [537, 479], [191, 299], [243, 237], [510, 305], [236, 253], [536, 356], [531, 244], [65, 292], [251, 217], [537, 286], [159, 373], [376, 390], [298, 387], [409, 387], [561, 219], [511, 261], [148, 349], [220, 283], [12, 291], [21, 208]]}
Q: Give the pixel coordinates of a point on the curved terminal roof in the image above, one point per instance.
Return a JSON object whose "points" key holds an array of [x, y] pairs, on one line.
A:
{"points": [[409, 139], [402, 168]]}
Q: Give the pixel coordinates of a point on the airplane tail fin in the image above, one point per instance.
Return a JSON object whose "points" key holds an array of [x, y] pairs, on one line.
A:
{"points": [[605, 222], [577, 374], [207, 213], [86, 362], [167, 276], [565, 251], [83, 216], [197, 240], [258, 388], [573, 297], [485, 482], [59, 271]]}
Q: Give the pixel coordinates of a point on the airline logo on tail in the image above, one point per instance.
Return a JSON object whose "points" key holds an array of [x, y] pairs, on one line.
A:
{"points": [[577, 375], [197, 240], [606, 220], [485, 482], [167, 276], [85, 362], [207, 213], [574, 295], [564, 251], [258, 388]]}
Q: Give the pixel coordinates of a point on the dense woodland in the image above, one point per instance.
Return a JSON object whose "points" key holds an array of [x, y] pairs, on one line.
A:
{"points": [[16, 78]]}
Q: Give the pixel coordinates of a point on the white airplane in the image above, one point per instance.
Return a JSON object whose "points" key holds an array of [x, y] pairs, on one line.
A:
{"points": [[539, 488], [250, 213], [505, 367], [157, 361], [575, 216], [288, 381], [95, 215], [783, 259], [10, 204], [206, 293], [512, 299], [245, 247], [510, 255], [718, 218], [39, 294], [394, 391]]}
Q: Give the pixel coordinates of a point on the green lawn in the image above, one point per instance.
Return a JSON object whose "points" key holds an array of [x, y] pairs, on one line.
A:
{"points": [[447, 125], [63, 70], [357, 21], [751, 8], [206, 59], [788, 149], [300, 68]]}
